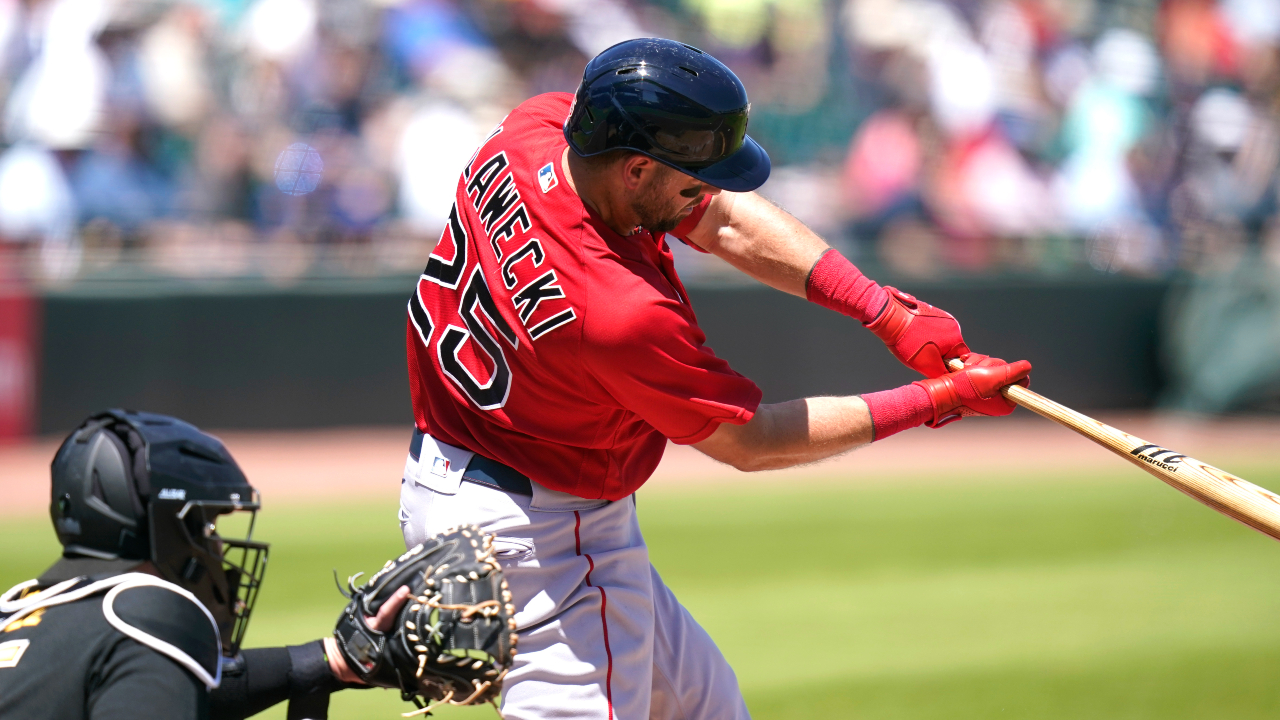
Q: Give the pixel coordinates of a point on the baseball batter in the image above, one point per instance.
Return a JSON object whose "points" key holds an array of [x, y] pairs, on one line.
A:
{"points": [[553, 352]]}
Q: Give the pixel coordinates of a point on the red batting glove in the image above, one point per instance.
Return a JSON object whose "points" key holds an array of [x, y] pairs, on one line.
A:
{"points": [[922, 336], [975, 390]]}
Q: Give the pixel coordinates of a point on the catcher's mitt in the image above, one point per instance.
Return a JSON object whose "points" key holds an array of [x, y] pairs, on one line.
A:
{"points": [[455, 638]]}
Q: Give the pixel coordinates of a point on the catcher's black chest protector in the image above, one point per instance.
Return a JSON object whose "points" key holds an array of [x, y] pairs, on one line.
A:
{"points": [[107, 656]]}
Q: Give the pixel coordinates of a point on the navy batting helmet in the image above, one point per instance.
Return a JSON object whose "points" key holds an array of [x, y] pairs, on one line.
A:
{"points": [[672, 102]]}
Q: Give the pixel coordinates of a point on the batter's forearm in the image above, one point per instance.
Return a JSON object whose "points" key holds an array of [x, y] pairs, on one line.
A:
{"points": [[792, 433], [760, 239]]}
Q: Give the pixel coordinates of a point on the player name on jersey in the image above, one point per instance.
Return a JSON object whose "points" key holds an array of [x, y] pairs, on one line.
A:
{"points": [[495, 174], [494, 196], [489, 186]]}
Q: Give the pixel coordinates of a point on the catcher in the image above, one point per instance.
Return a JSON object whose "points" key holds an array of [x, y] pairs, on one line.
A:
{"points": [[144, 614]]}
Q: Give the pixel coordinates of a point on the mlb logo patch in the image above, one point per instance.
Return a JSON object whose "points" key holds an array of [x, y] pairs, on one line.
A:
{"points": [[440, 466], [547, 177]]}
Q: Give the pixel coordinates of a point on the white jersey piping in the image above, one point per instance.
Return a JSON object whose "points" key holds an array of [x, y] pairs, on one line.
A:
{"points": [[55, 595]]}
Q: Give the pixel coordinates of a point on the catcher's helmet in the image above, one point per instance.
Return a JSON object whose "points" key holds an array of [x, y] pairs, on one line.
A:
{"points": [[139, 486], [672, 102]]}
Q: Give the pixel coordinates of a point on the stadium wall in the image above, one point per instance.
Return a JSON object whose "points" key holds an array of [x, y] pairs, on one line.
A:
{"points": [[248, 355]]}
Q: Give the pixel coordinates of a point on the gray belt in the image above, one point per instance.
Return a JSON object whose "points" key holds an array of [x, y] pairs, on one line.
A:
{"points": [[483, 471]]}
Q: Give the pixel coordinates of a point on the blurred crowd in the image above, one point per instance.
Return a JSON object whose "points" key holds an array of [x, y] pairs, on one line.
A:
{"points": [[281, 138], [1136, 137]]}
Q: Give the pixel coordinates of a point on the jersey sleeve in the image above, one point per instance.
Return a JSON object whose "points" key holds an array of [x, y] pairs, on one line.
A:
{"points": [[649, 355], [686, 226]]}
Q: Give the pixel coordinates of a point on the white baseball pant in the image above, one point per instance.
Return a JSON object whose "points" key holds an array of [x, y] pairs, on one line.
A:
{"points": [[601, 636]]}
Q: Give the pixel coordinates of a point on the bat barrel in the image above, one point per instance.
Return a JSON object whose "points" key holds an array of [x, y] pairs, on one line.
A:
{"points": [[1232, 496]]}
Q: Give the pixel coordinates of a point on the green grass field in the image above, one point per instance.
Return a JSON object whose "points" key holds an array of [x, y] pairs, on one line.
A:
{"points": [[1044, 598]]}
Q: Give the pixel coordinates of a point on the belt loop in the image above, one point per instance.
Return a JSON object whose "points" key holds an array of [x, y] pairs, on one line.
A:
{"points": [[415, 445]]}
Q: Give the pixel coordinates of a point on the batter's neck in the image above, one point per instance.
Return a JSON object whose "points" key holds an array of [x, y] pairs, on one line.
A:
{"points": [[597, 193]]}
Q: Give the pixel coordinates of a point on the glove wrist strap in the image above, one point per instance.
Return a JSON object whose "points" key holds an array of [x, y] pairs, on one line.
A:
{"points": [[892, 322], [362, 647], [944, 398]]}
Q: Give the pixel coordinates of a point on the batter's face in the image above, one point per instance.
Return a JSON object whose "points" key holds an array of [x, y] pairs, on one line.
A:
{"points": [[667, 197]]}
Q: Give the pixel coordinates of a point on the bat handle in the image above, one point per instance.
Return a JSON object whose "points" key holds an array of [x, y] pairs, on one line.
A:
{"points": [[1063, 415]]}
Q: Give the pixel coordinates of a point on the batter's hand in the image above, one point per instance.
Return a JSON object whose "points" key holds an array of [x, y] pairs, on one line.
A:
{"points": [[975, 390], [922, 336]]}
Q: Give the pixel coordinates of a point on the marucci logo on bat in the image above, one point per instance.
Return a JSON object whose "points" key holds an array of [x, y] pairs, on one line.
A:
{"points": [[1158, 456]]}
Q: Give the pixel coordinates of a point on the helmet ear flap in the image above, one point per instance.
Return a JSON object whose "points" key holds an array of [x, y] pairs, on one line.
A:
{"points": [[121, 486], [122, 493], [137, 451], [97, 509]]}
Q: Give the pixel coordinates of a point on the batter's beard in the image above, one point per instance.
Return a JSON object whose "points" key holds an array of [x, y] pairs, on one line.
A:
{"points": [[653, 210]]}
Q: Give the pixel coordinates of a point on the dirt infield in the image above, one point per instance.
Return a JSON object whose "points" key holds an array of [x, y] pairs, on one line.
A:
{"points": [[321, 465]]}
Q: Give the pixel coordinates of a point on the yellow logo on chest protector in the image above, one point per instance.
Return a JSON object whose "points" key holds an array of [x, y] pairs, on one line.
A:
{"points": [[11, 652], [31, 620]]}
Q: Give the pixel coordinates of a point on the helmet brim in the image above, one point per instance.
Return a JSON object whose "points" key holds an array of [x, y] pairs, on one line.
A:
{"points": [[743, 171]]}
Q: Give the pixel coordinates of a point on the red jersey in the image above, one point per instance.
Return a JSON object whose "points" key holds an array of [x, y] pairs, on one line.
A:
{"points": [[540, 338]]}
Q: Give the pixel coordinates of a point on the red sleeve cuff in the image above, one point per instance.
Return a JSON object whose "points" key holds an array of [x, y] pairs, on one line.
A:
{"points": [[742, 418]]}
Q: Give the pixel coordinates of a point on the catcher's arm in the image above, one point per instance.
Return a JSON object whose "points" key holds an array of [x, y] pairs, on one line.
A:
{"points": [[259, 678]]}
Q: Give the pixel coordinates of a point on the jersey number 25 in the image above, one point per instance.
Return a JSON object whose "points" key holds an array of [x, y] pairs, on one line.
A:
{"points": [[474, 300]]}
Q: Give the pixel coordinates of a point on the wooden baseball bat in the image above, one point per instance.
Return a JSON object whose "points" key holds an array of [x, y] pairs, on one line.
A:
{"points": [[1234, 497]]}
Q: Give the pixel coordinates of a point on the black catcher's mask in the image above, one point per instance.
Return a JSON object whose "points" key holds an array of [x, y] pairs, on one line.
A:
{"points": [[139, 486]]}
